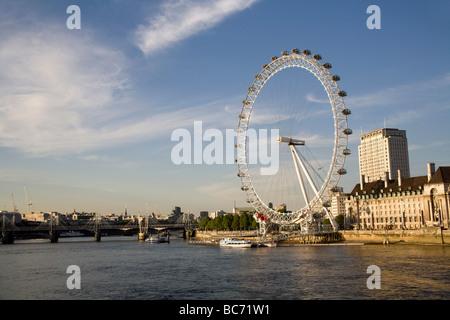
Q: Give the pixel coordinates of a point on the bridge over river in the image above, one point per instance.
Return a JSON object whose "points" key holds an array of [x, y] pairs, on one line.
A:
{"points": [[97, 227]]}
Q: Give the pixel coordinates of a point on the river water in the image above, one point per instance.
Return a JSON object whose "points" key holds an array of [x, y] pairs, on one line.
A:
{"points": [[126, 269]]}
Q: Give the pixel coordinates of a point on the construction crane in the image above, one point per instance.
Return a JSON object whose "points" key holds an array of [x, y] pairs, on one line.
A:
{"points": [[28, 199], [14, 203]]}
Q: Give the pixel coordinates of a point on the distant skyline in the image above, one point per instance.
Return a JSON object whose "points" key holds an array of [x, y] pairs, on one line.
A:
{"points": [[86, 116]]}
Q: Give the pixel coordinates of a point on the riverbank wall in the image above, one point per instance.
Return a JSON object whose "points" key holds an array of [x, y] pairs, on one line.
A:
{"points": [[420, 236], [428, 235]]}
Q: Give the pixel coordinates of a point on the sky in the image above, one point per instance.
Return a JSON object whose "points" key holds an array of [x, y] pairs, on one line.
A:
{"points": [[86, 115]]}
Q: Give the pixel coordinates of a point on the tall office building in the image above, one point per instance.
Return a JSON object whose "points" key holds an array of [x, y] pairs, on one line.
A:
{"points": [[383, 151]]}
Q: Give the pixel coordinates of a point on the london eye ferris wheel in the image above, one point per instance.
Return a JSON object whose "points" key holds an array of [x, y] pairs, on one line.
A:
{"points": [[298, 97]]}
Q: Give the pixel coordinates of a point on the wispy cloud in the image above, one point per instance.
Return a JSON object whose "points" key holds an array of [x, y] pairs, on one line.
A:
{"points": [[414, 147], [61, 95], [413, 92], [406, 104], [181, 19], [53, 89], [310, 97]]}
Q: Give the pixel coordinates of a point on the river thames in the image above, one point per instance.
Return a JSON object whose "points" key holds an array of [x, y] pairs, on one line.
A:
{"points": [[122, 268]]}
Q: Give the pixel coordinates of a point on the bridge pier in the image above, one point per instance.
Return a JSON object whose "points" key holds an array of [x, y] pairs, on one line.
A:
{"points": [[142, 236], [54, 236], [7, 237], [188, 233], [98, 236]]}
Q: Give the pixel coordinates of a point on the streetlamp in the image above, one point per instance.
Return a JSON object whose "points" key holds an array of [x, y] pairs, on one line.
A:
{"points": [[402, 205]]}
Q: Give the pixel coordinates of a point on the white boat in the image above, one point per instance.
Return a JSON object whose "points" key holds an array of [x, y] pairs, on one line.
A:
{"points": [[153, 239], [228, 242]]}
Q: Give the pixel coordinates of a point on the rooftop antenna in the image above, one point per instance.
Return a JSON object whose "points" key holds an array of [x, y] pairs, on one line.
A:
{"points": [[28, 199]]}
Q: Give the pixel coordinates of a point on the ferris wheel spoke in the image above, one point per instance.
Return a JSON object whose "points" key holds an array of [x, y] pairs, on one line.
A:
{"points": [[305, 171], [299, 175]]}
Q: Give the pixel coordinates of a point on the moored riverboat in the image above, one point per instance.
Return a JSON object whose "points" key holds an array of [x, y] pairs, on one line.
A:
{"points": [[229, 242]]}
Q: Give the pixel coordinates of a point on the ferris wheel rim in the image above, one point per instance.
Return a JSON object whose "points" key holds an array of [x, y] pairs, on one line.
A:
{"points": [[341, 131]]}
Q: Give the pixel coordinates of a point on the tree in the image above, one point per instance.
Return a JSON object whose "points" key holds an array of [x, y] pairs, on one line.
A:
{"points": [[211, 225], [227, 221], [204, 222], [253, 223], [340, 220], [235, 224], [243, 221], [219, 222]]}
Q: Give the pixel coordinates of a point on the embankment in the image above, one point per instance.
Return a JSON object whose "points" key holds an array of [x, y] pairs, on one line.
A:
{"points": [[421, 236]]}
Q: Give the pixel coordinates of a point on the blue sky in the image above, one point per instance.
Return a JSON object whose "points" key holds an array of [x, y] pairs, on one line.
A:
{"points": [[86, 115]]}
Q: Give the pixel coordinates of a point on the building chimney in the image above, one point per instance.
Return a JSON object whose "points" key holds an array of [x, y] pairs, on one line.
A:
{"points": [[386, 179], [431, 168], [399, 174], [361, 182]]}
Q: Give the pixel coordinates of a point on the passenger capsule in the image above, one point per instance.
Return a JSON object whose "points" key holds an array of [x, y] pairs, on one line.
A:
{"points": [[335, 189], [346, 112], [327, 204], [342, 93], [251, 89], [246, 102], [327, 65], [317, 57], [347, 131], [274, 58], [335, 78], [264, 66], [284, 53], [295, 51], [306, 52], [342, 171], [346, 152]]}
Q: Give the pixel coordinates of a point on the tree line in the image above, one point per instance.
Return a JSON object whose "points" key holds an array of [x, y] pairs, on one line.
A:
{"points": [[229, 221], [244, 221]]}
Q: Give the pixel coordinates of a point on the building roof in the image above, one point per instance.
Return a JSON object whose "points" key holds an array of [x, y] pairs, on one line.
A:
{"points": [[408, 184], [442, 175], [245, 208]]}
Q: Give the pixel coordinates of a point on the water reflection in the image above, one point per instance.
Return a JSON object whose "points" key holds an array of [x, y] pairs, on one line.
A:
{"points": [[128, 269]]}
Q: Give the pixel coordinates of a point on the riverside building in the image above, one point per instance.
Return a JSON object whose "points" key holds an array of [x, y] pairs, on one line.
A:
{"points": [[401, 203], [338, 202]]}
